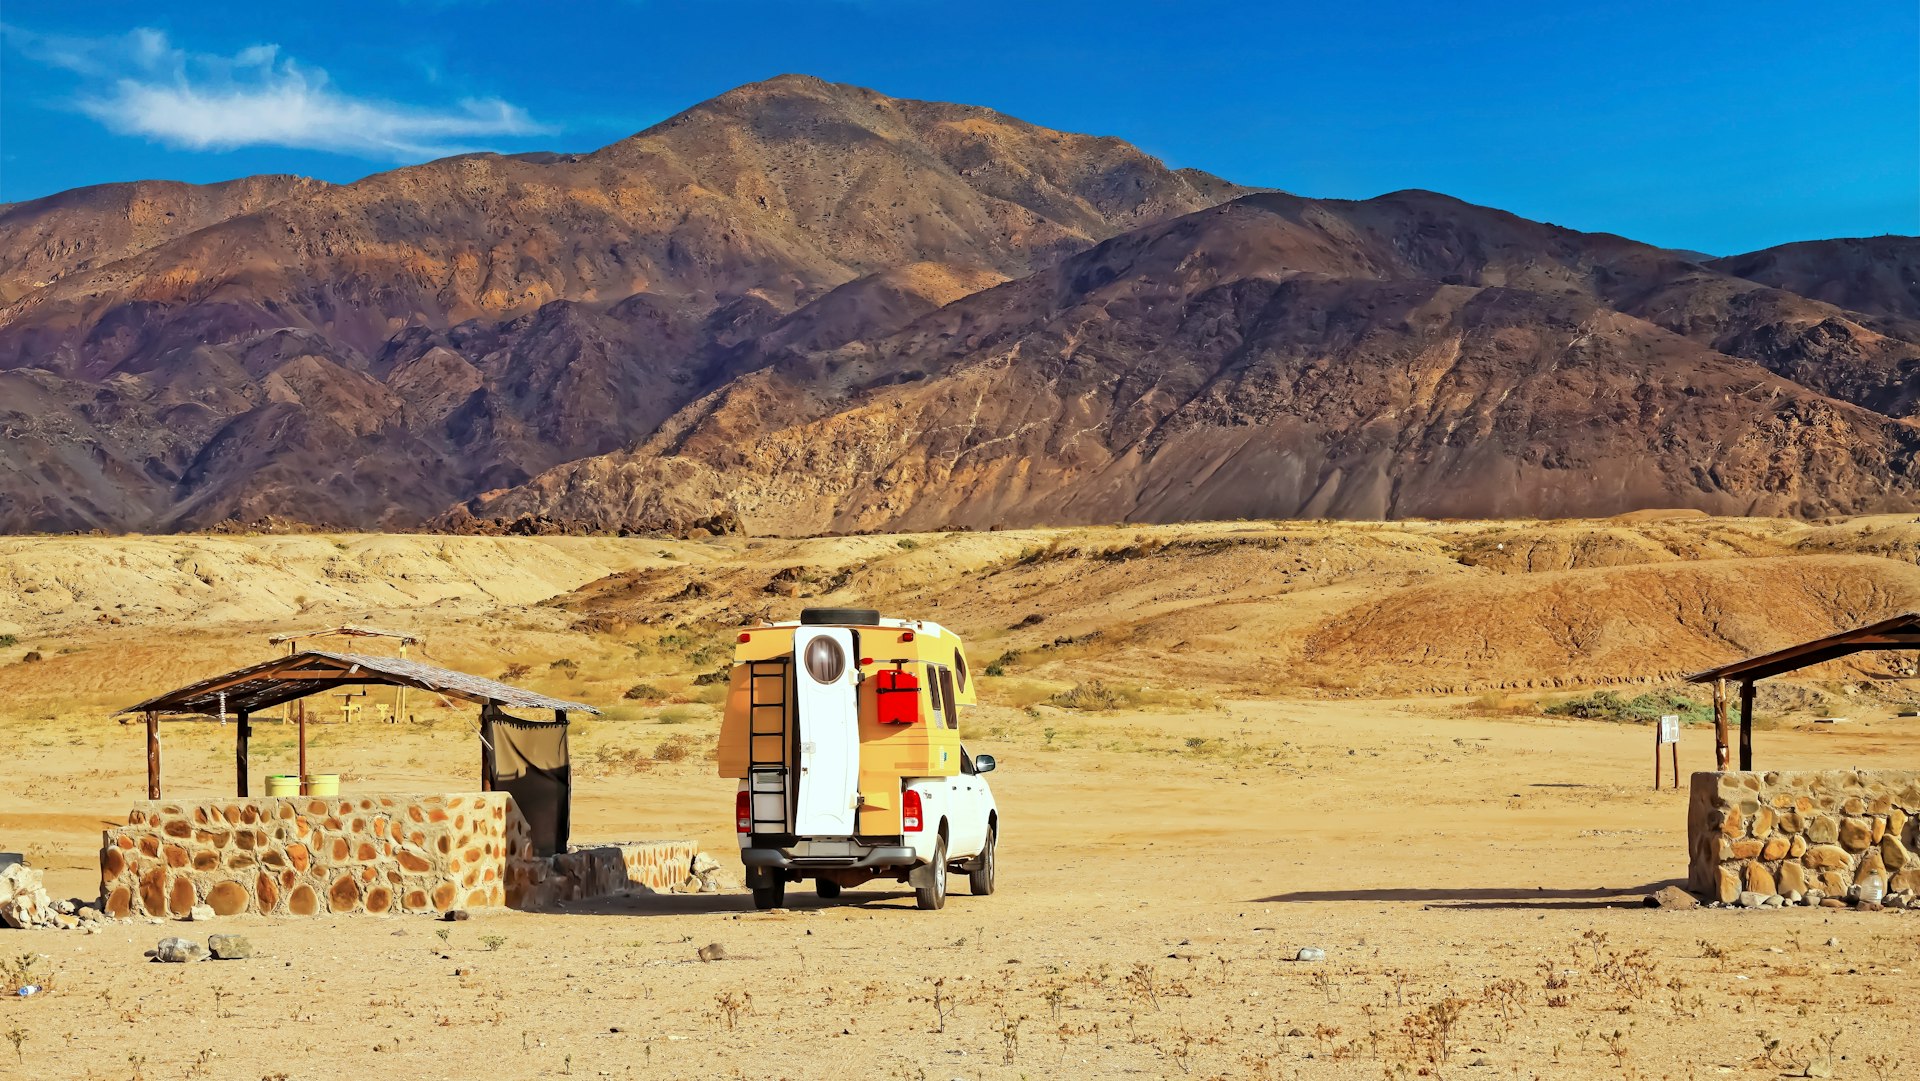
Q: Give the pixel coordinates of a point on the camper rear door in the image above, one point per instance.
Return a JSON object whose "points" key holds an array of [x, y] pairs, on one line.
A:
{"points": [[829, 729]]}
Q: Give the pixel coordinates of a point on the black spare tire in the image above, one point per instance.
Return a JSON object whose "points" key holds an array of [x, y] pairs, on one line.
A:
{"points": [[823, 617]]}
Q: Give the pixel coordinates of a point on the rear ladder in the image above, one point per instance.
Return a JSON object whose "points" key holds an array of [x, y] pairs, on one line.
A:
{"points": [[768, 704]]}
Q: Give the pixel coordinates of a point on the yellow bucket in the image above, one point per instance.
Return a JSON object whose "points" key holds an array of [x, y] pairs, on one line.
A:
{"points": [[323, 784], [283, 784]]}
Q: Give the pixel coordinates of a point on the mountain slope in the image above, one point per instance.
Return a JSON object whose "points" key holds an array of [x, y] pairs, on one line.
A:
{"points": [[1877, 275], [1272, 357], [464, 324], [43, 240]]}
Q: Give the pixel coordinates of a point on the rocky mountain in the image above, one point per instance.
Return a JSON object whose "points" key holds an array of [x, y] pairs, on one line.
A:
{"points": [[1879, 275], [1276, 356], [367, 354], [44, 240], [803, 306]]}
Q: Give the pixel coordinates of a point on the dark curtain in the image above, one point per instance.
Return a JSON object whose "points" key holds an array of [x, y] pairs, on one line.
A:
{"points": [[530, 764]]}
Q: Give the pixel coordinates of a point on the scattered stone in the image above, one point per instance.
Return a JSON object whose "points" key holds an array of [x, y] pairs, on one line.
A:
{"points": [[1310, 953], [456, 915], [1295, 1032], [179, 951], [1832, 902], [1820, 1066], [1671, 897], [1833, 942], [200, 913], [88, 913], [63, 908], [703, 864], [713, 951], [1750, 899], [230, 947]]}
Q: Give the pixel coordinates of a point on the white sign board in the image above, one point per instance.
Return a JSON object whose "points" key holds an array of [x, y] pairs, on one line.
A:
{"points": [[1669, 728]]}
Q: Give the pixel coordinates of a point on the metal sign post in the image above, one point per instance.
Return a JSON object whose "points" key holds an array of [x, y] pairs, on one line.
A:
{"points": [[1666, 731]]}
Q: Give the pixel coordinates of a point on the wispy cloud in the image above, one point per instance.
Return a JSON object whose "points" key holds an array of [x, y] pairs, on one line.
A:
{"points": [[141, 84]]}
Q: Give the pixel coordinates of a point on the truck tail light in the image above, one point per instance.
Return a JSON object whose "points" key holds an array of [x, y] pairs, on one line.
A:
{"points": [[743, 811], [910, 811]]}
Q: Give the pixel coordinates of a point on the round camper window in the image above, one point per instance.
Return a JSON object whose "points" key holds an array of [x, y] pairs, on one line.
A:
{"points": [[825, 660]]}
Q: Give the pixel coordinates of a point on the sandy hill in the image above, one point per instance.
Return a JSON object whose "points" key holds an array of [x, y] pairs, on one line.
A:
{"points": [[1244, 607]]}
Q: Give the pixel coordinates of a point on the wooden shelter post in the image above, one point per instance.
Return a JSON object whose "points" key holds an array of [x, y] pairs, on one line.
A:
{"points": [[153, 754], [1721, 750], [1746, 724], [300, 708], [241, 732], [486, 748]]}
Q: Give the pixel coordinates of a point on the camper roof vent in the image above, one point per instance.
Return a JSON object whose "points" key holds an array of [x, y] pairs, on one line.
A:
{"points": [[859, 617]]}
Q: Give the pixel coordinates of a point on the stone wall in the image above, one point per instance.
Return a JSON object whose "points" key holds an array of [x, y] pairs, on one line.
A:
{"points": [[600, 871], [307, 856], [1807, 833], [303, 856]]}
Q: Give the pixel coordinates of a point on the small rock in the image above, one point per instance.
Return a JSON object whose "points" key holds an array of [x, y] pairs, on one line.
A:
{"points": [[1310, 953], [200, 913], [713, 951], [63, 908], [1776, 901], [456, 915], [1672, 897], [1833, 902], [230, 947], [88, 913], [65, 921], [1820, 1067], [179, 951], [703, 864], [1750, 899], [1292, 1032]]}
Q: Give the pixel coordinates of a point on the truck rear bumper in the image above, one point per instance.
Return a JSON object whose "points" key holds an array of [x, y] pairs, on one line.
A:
{"points": [[775, 859]]}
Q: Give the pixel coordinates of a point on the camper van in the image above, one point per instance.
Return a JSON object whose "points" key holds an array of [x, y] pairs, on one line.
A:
{"points": [[843, 730]]}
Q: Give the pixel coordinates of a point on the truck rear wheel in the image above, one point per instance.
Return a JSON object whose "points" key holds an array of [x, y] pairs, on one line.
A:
{"points": [[980, 879], [773, 896], [826, 888], [935, 896]]}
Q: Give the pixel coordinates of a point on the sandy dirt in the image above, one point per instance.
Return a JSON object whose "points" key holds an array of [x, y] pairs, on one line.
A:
{"points": [[1472, 868]]}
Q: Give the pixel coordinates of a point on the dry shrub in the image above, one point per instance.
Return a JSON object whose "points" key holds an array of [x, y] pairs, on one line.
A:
{"points": [[676, 749], [623, 760], [515, 671], [1096, 695], [643, 692]]}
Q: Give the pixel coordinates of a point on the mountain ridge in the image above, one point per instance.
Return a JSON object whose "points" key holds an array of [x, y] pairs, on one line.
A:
{"points": [[804, 306]]}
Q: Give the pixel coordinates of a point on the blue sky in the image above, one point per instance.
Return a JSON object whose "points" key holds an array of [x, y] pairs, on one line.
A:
{"points": [[1720, 127]]}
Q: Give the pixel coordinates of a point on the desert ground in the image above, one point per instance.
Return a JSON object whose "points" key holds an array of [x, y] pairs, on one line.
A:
{"points": [[1219, 744]]}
